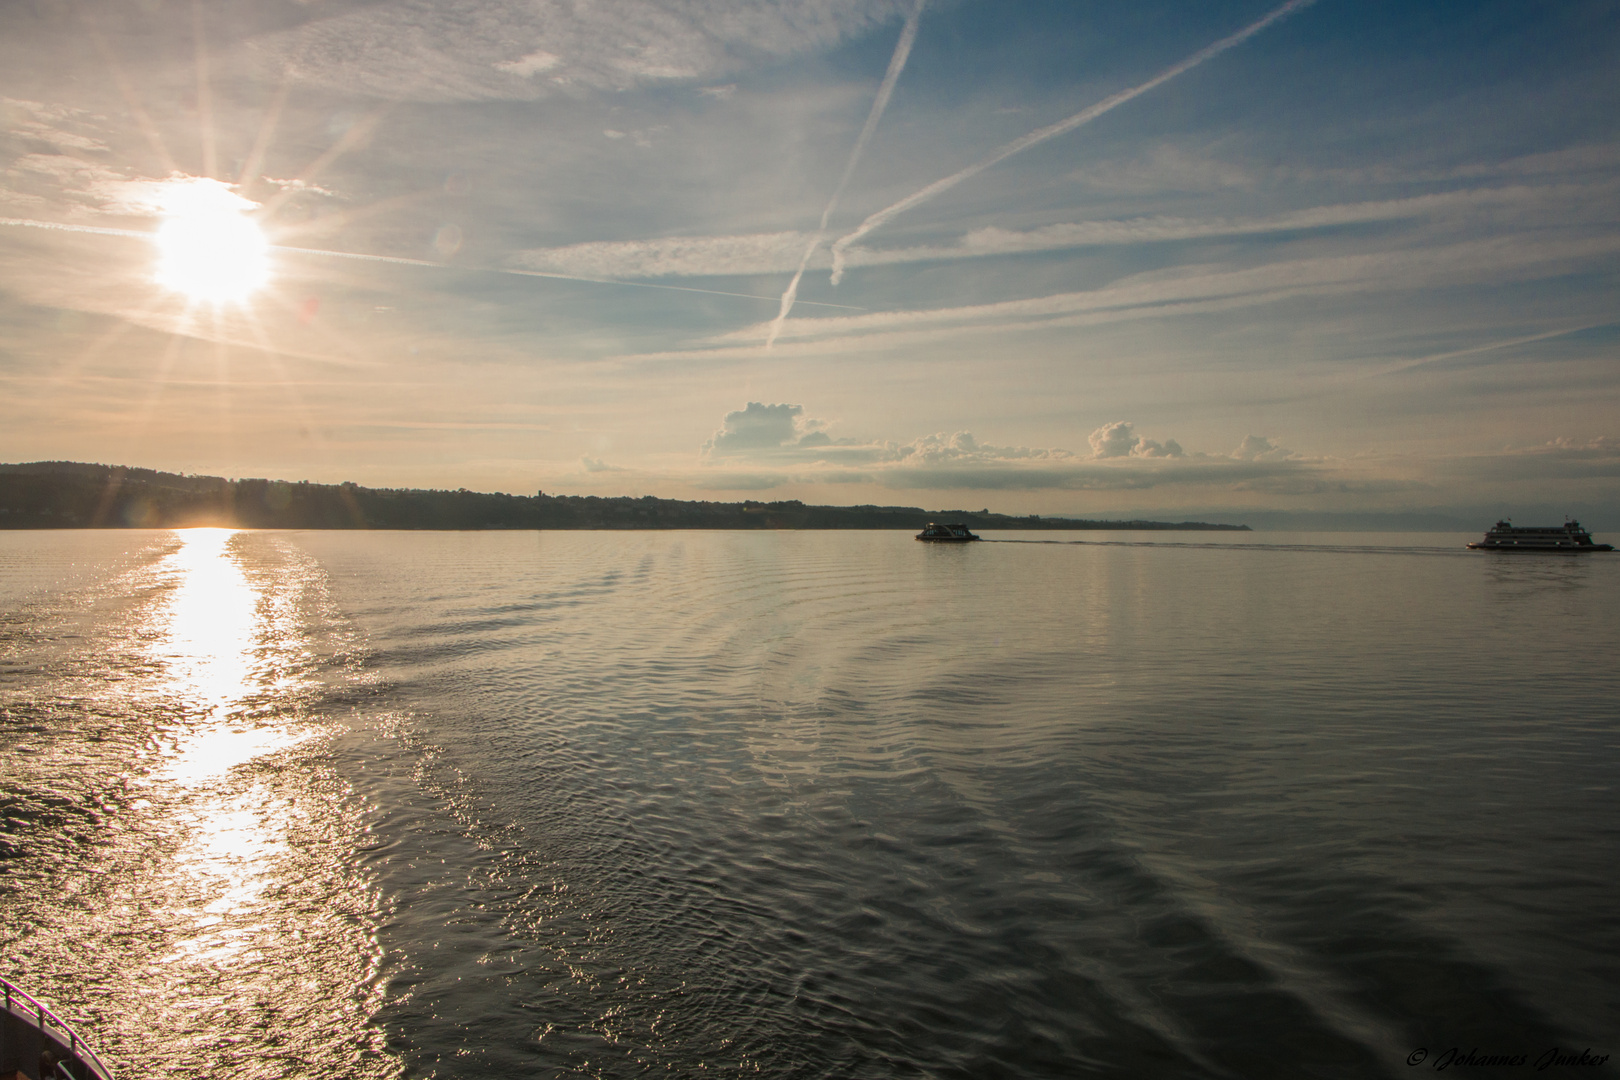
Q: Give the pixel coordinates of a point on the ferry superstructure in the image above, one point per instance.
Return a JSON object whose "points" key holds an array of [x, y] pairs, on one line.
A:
{"points": [[946, 534], [1566, 538]]}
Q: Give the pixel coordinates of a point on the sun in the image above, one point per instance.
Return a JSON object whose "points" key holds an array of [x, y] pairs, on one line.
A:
{"points": [[209, 249]]}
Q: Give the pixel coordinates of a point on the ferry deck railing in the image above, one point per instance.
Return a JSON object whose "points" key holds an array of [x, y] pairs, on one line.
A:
{"points": [[22, 1007]]}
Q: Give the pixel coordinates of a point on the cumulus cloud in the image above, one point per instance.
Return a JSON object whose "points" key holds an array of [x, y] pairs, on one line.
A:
{"points": [[1563, 458], [1259, 448], [1120, 440], [470, 50], [1085, 475], [961, 448], [778, 437], [1602, 445], [1112, 440], [1150, 449], [596, 465], [760, 428]]}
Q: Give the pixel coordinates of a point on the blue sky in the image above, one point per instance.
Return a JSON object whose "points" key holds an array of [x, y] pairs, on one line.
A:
{"points": [[1360, 260]]}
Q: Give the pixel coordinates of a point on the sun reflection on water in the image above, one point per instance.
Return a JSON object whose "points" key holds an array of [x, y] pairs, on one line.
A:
{"points": [[211, 624], [194, 878], [214, 631]]}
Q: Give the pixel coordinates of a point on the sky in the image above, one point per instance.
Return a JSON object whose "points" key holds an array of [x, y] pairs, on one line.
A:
{"points": [[1214, 258]]}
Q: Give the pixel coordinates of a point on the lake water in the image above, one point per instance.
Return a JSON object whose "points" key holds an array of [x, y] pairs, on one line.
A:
{"points": [[810, 804]]}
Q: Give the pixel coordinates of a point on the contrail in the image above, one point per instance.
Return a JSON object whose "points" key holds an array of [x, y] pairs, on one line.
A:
{"points": [[1034, 138], [134, 234], [400, 261], [1411, 365], [94, 230], [897, 64]]}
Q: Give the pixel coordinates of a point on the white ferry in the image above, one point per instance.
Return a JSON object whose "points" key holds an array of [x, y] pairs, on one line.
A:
{"points": [[1568, 537], [946, 534], [36, 1044]]}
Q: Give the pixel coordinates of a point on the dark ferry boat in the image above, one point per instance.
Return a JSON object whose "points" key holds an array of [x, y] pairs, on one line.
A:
{"points": [[1568, 537], [38, 1045], [946, 534]]}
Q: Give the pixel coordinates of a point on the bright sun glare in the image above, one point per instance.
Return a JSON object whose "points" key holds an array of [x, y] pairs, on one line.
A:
{"points": [[208, 248]]}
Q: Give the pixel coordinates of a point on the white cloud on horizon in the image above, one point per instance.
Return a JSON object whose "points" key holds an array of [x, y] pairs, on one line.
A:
{"points": [[1563, 458], [1259, 448], [958, 461], [765, 428], [778, 437], [1120, 440]]}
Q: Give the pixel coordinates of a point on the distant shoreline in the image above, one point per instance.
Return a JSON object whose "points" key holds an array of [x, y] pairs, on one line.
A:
{"points": [[71, 495]]}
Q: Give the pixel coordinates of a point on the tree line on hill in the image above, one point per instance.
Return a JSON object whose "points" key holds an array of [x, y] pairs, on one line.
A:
{"points": [[70, 495]]}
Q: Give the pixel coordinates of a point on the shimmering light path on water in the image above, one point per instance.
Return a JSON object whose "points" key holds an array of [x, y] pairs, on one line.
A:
{"points": [[179, 869], [812, 804]]}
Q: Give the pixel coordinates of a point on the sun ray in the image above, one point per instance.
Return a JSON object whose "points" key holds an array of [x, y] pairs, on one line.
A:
{"points": [[143, 417], [358, 132], [322, 331], [132, 101], [205, 95], [425, 263], [329, 223], [222, 385], [267, 130], [121, 326], [274, 358]]}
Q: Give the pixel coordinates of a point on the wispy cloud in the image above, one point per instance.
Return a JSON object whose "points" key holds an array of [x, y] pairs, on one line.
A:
{"points": [[771, 253], [1194, 289], [426, 50], [674, 256]]}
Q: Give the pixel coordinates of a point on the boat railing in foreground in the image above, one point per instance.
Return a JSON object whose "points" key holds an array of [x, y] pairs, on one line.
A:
{"points": [[27, 1027]]}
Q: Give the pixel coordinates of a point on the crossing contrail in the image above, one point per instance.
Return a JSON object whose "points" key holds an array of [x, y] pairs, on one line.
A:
{"points": [[135, 234], [897, 64], [1051, 131]]}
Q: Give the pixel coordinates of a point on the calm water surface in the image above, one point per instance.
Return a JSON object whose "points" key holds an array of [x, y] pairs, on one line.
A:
{"points": [[809, 804]]}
